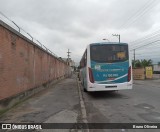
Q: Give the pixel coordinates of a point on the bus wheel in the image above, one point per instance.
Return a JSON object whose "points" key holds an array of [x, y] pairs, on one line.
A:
{"points": [[84, 89]]}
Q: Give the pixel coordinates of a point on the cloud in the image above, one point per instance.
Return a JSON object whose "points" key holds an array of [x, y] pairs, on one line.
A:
{"points": [[72, 24]]}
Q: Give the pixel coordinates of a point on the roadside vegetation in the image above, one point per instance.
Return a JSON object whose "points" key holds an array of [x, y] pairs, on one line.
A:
{"points": [[141, 63]]}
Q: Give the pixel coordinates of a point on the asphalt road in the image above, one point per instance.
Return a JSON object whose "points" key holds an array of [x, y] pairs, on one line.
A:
{"points": [[61, 104], [139, 105]]}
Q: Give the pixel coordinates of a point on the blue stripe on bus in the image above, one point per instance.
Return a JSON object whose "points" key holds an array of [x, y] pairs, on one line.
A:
{"points": [[109, 73]]}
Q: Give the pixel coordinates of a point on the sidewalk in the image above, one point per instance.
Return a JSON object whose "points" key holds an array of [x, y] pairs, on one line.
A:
{"points": [[58, 104]]}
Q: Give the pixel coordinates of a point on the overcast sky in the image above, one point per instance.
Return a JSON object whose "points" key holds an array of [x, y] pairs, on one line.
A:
{"points": [[73, 24]]}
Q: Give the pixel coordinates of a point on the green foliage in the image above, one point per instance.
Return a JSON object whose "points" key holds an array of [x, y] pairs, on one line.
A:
{"points": [[146, 62], [141, 63]]}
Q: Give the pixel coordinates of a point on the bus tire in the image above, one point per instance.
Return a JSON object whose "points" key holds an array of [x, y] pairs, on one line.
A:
{"points": [[84, 89]]}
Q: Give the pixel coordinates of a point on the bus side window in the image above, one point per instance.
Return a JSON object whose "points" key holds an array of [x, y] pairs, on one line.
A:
{"points": [[83, 61], [85, 58]]}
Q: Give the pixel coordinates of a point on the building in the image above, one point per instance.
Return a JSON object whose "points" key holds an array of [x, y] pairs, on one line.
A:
{"points": [[156, 68], [69, 61]]}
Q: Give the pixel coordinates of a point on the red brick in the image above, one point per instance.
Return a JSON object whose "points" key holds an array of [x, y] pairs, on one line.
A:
{"points": [[24, 65]]}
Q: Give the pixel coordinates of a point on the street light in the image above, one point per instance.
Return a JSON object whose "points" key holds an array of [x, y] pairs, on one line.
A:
{"points": [[106, 39], [117, 35]]}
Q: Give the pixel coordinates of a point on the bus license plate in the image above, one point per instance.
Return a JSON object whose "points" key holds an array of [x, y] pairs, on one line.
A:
{"points": [[110, 86]]}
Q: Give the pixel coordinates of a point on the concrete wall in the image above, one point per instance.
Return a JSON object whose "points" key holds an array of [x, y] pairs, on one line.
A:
{"points": [[156, 69], [138, 73], [25, 65]]}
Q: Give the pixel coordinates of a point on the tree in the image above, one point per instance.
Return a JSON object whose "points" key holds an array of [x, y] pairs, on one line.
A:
{"points": [[136, 64], [145, 62], [141, 63]]}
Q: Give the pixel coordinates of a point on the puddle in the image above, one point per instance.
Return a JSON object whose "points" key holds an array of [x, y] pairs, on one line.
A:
{"points": [[145, 106], [152, 116]]}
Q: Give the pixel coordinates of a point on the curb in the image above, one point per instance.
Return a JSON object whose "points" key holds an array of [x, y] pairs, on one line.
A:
{"points": [[83, 108]]}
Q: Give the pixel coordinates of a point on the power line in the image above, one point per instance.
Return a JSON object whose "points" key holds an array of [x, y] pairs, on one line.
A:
{"points": [[147, 36], [148, 57], [142, 41], [134, 54], [146, 44], [147, 53], [152, 37], [143, 13], [148, 5], [149, 48], [125, 23], [141, 44], [146, 40]]}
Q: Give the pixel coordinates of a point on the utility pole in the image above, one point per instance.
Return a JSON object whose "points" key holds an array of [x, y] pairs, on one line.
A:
{"points": [[117, 35], [68, 54], [134, 55]]}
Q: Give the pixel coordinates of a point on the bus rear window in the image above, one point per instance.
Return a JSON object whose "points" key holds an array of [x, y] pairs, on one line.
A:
{"points": [[109, 53]]}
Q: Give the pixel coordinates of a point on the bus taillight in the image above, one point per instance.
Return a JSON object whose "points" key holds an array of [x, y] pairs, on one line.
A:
{"points": [[90, 75], [129, 73]]}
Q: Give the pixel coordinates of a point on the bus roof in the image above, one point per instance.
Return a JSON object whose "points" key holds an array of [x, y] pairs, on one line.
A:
{"points": [[99, 43]]}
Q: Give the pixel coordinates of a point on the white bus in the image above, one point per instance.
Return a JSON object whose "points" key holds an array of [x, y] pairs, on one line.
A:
{"points": [[106, 66]]}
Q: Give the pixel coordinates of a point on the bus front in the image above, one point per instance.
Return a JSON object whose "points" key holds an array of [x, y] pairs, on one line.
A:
{"points": [[109, 67]]}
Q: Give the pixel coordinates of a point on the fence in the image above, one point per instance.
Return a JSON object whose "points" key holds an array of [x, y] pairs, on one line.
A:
{"points": [[16, 27]]}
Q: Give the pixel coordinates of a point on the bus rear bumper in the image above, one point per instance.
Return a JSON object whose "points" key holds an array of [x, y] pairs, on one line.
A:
{"points": [[110, 87]]}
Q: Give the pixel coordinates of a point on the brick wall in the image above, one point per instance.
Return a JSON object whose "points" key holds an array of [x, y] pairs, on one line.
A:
{"points": [[24, 65]]}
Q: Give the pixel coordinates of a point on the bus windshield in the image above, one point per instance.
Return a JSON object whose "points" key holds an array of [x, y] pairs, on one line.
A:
{"points": [[109, 53]]}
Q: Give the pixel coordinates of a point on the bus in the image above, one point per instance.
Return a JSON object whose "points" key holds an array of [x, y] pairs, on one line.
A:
{"points": [[106, 66]]}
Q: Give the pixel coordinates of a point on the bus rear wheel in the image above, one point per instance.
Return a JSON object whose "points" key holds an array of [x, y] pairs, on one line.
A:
{"points": [[84, 89]]}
